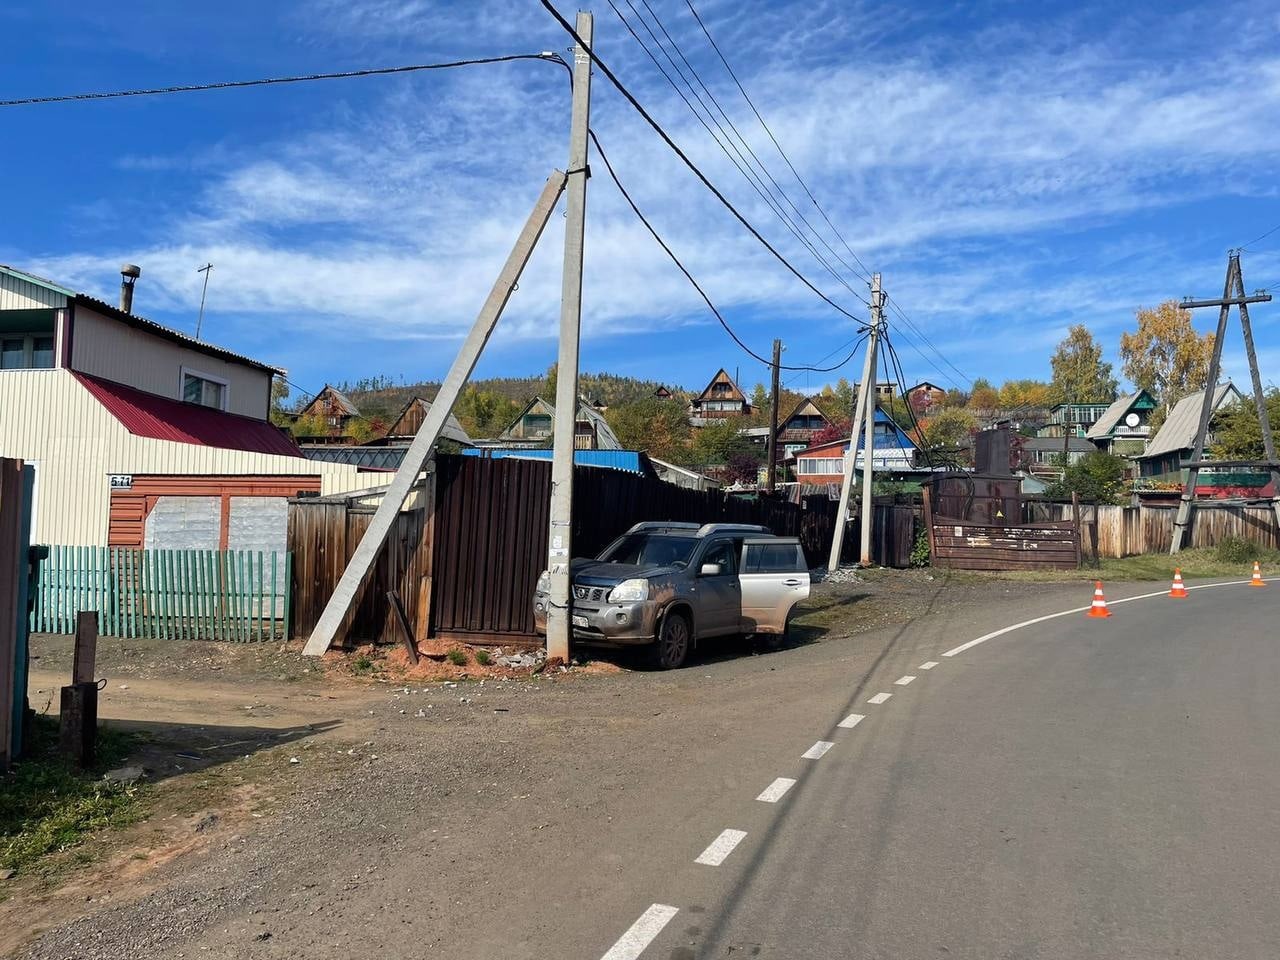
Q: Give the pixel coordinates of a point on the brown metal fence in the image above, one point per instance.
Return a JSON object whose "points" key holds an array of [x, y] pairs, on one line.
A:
{"points": [[16, 482]]}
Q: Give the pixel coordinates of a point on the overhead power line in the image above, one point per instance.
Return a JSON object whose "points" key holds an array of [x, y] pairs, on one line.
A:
{"points": [[728, 140], [1245, 246], [697, 286], [866, 273], [666, 138], [897, 308], [266, 81]]}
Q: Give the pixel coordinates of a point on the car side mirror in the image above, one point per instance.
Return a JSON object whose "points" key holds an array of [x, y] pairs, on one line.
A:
{"points": [[711, 570]]}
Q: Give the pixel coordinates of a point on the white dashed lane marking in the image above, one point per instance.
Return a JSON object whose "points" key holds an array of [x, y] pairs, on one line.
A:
{"points": [[928, 664], [880, 698], [851, 721], [817, 750], [641, 933], [720, 848], [903, 681], [776, 790]]}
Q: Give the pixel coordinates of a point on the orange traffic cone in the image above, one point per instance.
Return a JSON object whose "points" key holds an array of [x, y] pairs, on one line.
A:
{"points": [[1257, 580], [1178, 590], [1099, 607]]}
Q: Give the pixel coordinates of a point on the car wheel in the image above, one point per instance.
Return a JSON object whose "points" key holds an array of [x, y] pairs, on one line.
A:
{"points": [[672, 646]]}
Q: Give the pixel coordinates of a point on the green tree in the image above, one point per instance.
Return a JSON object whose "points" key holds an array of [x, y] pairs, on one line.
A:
{"points": [[713, 445], [658, 427], [279, 394], [1237, 431], [1098, 477], [1165, 354], [949, 427], [1080, 375], [760, 399]]}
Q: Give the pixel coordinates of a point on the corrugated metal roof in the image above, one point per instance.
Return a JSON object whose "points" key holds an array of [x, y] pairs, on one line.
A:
{"points": [[1111, 416], [1054, 444], [1178, 432], [147, 415], [630, 461]]}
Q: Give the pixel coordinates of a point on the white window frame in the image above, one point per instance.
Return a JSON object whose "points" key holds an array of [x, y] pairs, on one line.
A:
{"points": [[212, 378]]}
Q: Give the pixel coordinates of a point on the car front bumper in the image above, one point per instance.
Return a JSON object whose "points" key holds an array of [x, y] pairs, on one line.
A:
{"points": [[621, 624]]}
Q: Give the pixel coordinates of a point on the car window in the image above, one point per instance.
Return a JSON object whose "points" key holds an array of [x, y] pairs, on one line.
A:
{"points": [[721, 553], [643, 549], [773, 558]]}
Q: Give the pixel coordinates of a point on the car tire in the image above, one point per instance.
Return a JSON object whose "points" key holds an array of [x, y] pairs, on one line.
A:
{"points": [[671, 649]]}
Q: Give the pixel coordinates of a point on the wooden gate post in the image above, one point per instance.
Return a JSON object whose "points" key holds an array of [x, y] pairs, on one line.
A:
{"points": [[78, 707]]}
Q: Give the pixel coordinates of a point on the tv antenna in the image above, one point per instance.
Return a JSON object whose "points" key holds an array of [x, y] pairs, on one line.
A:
{"points": [[206, 270]]}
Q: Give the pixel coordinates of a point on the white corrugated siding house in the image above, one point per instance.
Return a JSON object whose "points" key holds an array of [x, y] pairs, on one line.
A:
{"points": [[140, 435]]}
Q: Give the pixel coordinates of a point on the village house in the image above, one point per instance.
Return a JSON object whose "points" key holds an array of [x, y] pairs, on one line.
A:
{"points": [[535, 425], [925, 395], [142, 436], [893, 452], [333, 410], [1072, 418], [721, 399], [1042, 456], [797, 431], [1125, 426], [1172, 446], [387, 452]]}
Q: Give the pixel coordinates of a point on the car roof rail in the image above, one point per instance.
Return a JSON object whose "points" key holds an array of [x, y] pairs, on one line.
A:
{"points": [[709, 528], [663, 525]]}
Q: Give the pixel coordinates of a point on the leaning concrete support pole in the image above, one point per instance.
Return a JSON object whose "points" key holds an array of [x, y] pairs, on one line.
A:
{"points": [[347, 592]]}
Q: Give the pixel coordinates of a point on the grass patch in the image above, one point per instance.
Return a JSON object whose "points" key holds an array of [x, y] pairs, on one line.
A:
{"points": [[362, 664], [47, 805], [457, 657], [483, 658], [1195, 564]]}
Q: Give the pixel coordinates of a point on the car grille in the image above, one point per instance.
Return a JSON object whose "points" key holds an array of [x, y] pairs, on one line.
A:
{"points": [[590, 593]]}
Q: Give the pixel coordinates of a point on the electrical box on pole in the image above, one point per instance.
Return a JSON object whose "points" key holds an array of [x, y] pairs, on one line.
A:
{"points": [[560, 534]]}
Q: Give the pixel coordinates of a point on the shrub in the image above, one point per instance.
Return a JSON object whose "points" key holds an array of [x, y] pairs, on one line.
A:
{"points": [[457, 657], [362, 664], [483, 658], [920, 552], [1236, 550]]}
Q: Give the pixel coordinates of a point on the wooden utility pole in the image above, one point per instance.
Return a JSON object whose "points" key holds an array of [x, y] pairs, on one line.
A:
{"points": [[866, 396], [1232, 293], [770, 477], [352, 582], [868, 452], [560, 535]]}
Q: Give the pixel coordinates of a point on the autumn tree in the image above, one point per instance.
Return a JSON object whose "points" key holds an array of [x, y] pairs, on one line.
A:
{"points": [[1025, 393], [1165, 355], [983, 396], [1237, 431], [1080, 375], [659, 428], [279, 394], [949, 427]]}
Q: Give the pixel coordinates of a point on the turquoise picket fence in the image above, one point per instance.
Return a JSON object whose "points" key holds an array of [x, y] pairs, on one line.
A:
{"points": [[239, 595]]}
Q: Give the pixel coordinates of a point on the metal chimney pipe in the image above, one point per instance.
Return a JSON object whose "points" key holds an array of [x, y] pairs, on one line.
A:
{"points": [[129, 274]]}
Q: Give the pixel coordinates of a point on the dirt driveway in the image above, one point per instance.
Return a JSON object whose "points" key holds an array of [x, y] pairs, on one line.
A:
{"points": [[297, 810]]}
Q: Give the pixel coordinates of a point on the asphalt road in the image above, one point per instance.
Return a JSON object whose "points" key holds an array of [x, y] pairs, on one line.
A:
{"points": [[1078, 788]]}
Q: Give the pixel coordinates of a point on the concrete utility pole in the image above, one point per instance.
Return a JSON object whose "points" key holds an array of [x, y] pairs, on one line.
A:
{"points": [[560, 536], [1232, 293], [352, 582], [866, 394], [868, 452], [770, 477]]}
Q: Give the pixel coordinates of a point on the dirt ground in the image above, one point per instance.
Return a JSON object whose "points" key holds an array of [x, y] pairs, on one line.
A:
{"points": [[273, 780]]}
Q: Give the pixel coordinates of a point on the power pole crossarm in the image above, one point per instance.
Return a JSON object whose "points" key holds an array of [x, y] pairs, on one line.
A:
{"points": [[560, 536]]}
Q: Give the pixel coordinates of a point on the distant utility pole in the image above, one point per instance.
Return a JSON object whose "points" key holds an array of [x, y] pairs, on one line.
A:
{"points": [[866, 396], [206, 270], [1232, 293], [771, 467], [868, 453], [560, 535]]}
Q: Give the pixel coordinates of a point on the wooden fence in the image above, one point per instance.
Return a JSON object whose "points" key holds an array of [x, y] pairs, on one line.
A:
{"points": [[971, 545], [1129, 531], [16, 488], [169, 594]]}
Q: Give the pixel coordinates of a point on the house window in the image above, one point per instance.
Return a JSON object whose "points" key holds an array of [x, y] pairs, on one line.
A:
{"points": [[204, 390], [30, 351], [536, 423]]}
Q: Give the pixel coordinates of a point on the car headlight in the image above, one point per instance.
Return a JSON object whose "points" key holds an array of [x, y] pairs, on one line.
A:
{"points": [[544, 583], [629, 590]]}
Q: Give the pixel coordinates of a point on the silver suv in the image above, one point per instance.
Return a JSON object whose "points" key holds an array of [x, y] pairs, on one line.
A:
{"points": [[670, 585]]}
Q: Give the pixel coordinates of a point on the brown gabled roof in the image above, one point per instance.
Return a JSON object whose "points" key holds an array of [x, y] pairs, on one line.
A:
{"points": [[336, 397], [409, 421], [807, 401], [737, 393]]}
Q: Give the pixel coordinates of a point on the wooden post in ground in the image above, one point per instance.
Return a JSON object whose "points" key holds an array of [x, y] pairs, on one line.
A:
{"points": [[1075, 519], [78, 706]]}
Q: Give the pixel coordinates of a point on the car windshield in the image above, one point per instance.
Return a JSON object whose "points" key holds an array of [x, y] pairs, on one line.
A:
{"points": [[647, 549]]}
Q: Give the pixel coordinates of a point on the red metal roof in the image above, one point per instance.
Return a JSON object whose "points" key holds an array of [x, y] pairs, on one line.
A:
{"points": [[147, 415]]}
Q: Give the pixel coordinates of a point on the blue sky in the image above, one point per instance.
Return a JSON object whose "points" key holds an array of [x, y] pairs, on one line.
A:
{"points": [[1010, 168]]}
